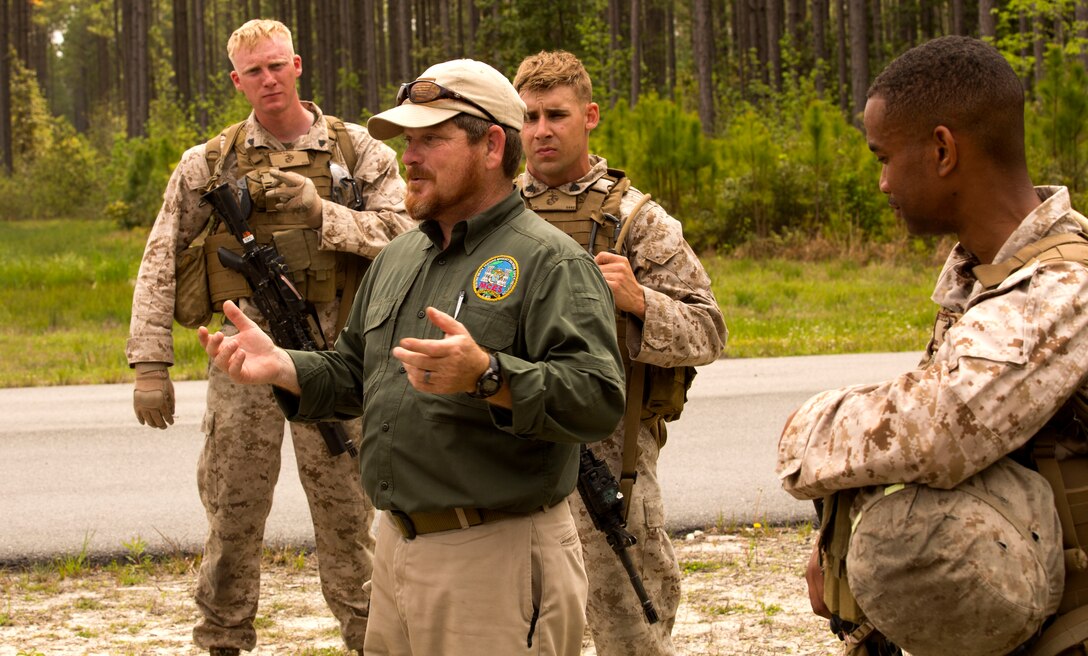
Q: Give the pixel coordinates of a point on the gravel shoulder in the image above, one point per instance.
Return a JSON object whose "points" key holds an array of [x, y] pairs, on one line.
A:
{"points": [[743, 593]]}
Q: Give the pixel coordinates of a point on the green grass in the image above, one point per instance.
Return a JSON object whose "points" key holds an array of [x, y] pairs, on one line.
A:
{"points": [[67, 288], [65, 304], [778, 307]]}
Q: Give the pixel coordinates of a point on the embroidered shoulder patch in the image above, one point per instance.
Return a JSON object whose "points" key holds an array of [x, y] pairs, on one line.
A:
{"points": [[495, 278]]}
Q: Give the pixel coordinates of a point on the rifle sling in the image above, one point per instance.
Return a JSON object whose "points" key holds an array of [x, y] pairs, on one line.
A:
{"points": [[632, 424]]}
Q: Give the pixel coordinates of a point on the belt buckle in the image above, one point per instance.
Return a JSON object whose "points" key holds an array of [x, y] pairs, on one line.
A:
{"points": [[404, 523]]}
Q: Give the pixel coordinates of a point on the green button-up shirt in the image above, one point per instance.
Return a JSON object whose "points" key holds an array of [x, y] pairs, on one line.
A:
{"points": [[531, 295]]}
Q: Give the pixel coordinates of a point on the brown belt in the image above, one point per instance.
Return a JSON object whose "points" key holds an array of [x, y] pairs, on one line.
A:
{"points": [[420, 523]]}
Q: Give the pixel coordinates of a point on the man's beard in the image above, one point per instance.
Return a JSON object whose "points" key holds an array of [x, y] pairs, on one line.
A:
{"points": [[419, 208]]}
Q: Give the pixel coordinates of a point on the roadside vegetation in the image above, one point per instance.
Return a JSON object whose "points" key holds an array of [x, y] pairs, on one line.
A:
{"points": [[67, 294]]}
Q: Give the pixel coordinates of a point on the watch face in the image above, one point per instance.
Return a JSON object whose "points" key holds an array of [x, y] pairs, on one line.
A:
{"points": [[490, 383]]}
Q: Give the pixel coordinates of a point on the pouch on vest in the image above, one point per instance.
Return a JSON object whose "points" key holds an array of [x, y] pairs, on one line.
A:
{"points": [[667, 390], [313, 270], [192, 303], [223, 284]]}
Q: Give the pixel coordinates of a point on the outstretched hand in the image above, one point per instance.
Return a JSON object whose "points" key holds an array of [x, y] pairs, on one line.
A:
{"points": [[249, 357], [443, 366]]}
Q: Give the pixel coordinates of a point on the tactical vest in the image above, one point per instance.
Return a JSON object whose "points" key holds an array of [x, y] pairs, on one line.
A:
{"points": [[1068, 478], [654, 394], [319, 275]]}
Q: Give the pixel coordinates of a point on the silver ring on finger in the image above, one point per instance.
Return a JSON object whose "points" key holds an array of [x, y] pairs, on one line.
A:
{"points": [[426, 377]]}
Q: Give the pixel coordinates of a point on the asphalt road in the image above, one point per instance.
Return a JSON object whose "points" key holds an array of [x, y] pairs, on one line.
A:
{"points": [[78, 472]]}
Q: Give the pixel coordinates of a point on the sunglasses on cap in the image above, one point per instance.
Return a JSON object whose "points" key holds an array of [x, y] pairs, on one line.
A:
{"points": [[424, 91]]}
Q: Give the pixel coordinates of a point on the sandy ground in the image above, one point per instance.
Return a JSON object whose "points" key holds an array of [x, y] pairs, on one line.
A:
{"points": [[744, 593]]}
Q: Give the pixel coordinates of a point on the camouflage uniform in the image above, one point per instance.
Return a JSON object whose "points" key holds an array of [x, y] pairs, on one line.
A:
{"points": [[240, 461], [999, 365], [683, 327]]}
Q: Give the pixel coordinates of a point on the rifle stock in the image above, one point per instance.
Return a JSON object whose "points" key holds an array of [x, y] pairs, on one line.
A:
{"points": [[285, 309]]}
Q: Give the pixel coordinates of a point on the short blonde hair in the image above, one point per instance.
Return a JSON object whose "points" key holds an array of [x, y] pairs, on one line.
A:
{"points": [[547, 70], [253, 32]]}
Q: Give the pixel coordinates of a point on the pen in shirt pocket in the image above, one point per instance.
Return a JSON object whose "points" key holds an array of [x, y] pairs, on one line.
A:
{"points": [[460, 301]]}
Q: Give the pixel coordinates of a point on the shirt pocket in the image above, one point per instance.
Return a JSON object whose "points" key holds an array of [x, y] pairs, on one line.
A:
{"points": [[493, 330], [378, 337]]}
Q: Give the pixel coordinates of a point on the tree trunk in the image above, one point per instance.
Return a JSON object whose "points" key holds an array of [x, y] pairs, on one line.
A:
{"points": [[401, 41], [702, 38], [7, 159], [819, 42], [636, 50], [795, 19], [474, 26], [670, 46], [859, 57], [201, 64], [613, 51], [840, 55], [654, 46], [1080, 14], [304, 47], [774, 47], [134, 18], [182, 74], [370, 57], [987, 24], [1038, 44], [445, 27], [326, 56], [877, 34], [958, 26]]}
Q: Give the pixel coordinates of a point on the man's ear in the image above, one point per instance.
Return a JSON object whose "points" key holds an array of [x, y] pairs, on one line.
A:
{"points": [[946, 149], [593, 116], [496, 146]]}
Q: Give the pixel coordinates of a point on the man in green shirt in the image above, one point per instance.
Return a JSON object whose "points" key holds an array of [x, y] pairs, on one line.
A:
{"points": [[481, 352]]}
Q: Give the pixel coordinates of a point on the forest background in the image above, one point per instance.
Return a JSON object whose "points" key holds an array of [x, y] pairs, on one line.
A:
{"points": [[740, 116]]}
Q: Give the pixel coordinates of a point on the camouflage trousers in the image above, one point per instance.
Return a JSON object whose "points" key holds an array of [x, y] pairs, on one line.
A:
{"points": [[236, 476], [614, 615]]}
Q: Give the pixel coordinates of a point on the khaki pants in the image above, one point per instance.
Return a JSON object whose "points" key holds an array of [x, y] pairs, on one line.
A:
{"points": [[477, 591], [236, 476], [616, 618]]}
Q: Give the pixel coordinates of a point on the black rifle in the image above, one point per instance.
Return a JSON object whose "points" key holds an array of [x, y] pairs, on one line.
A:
{"points": [[602, 498], [284, 308]]}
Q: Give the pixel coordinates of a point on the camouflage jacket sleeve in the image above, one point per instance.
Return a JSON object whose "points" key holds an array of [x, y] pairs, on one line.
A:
{"points": [[383, 216], [683, 325], [180, 220], [1002, 370]]}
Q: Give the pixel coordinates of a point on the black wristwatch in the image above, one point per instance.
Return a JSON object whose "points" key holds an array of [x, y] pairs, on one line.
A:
{"points": [[490, 381]]}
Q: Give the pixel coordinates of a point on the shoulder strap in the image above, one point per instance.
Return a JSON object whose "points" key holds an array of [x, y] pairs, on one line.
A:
{"points": [[1067, 246], [339, 133], [217, 148]]}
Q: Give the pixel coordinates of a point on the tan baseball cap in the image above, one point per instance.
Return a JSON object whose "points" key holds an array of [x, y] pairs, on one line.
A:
{"points": [[461, 86]]}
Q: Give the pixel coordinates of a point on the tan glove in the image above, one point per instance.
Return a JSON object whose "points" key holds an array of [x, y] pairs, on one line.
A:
{"points": [[153, 399], [296, 193]]}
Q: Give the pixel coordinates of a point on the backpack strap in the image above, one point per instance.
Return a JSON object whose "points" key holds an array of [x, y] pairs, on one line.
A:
{"points": [[1067, 246]]}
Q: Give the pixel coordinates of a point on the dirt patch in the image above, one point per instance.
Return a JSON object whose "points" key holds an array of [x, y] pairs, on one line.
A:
{"points": [[743, 593]]}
